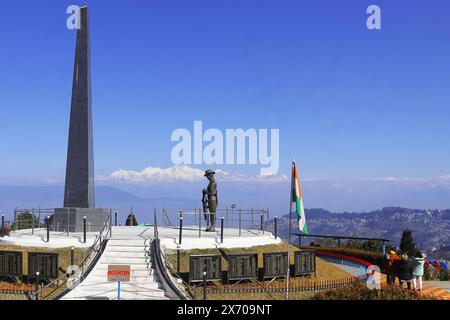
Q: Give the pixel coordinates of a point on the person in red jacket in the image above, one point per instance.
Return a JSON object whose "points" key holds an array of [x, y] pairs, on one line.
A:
{"points": [[437, 265], [391, 257]]}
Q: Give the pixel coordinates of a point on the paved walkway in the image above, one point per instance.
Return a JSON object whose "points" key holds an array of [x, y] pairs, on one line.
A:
{"points": [[445, 285], [431, 289], [437, 289], [37, 238], [192, 238], [351, 267]]}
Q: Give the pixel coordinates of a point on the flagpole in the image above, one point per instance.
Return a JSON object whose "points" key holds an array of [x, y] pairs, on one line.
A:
{"points": [[291, 199], [289, 236]]}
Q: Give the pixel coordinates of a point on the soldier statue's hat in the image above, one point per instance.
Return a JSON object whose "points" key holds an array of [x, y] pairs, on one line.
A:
{"points": [[209, 172]]}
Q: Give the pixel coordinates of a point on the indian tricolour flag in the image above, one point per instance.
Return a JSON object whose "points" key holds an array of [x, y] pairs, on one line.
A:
{"points": [[297, 197]]}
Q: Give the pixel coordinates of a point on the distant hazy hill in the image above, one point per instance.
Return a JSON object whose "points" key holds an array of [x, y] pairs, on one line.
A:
{"points": [[182, 187], [273, 191], [431, 228], [108, 197], [336, 196]]}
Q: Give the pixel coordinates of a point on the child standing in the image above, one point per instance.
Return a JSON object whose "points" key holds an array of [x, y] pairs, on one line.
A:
{"points": [[418, 263]]}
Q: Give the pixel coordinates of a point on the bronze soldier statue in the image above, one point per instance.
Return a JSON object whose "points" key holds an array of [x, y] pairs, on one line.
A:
{"points": [[210, 195]]}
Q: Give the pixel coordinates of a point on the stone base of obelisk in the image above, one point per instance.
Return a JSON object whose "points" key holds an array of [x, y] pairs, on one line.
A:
{"points": [[72, 219]]}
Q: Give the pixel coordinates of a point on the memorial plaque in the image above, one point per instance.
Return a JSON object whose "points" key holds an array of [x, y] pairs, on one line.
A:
{"points": [[11, 263], [45, 263], [305, 262], [119, 273], [212, 264], [242, 266], [275, 264]]}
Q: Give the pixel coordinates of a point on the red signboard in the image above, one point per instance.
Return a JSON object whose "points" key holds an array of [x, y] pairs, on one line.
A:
{"points": [[119, 273]]}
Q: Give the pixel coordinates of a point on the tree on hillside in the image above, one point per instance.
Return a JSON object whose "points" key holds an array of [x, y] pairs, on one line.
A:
{"points": [[407, 244], [373, 245], [26, 220], [370, 245], [353, 244]]}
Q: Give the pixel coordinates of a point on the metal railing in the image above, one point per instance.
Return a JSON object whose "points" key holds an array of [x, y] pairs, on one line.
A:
{"points": [[163, 267], [196, 220], [90, 259], [274, 287], [193, 219], [15, 288], [37, 220], [340, 240]]}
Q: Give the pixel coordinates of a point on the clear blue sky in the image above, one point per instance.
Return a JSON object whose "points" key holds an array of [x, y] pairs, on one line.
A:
{"points": [[350, 103]]}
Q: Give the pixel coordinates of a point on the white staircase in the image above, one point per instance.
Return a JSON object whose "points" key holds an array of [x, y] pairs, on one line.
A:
{"points": [[133, 251]]}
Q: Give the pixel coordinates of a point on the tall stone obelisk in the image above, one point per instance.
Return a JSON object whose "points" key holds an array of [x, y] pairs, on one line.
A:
{"points": [[80, 189], [79, 194]]}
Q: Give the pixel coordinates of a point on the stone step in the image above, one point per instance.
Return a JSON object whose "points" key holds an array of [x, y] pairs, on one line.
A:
{"points": [[129, 242], [122, 261], [103, 267], [100, 274], [125, 294], [122, 250], [125, 254], [120, 247], [135, 274], [140, 277], [126, 298], [84, 294], [135, 241], [140, 249], [109, 286]]}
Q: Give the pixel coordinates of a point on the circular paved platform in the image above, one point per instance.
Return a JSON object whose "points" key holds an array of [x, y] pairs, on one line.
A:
{"points": [[169, 238]]}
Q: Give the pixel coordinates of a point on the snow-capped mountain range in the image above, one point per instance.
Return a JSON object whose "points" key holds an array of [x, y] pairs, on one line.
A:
{"points": [[181, 173]]}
